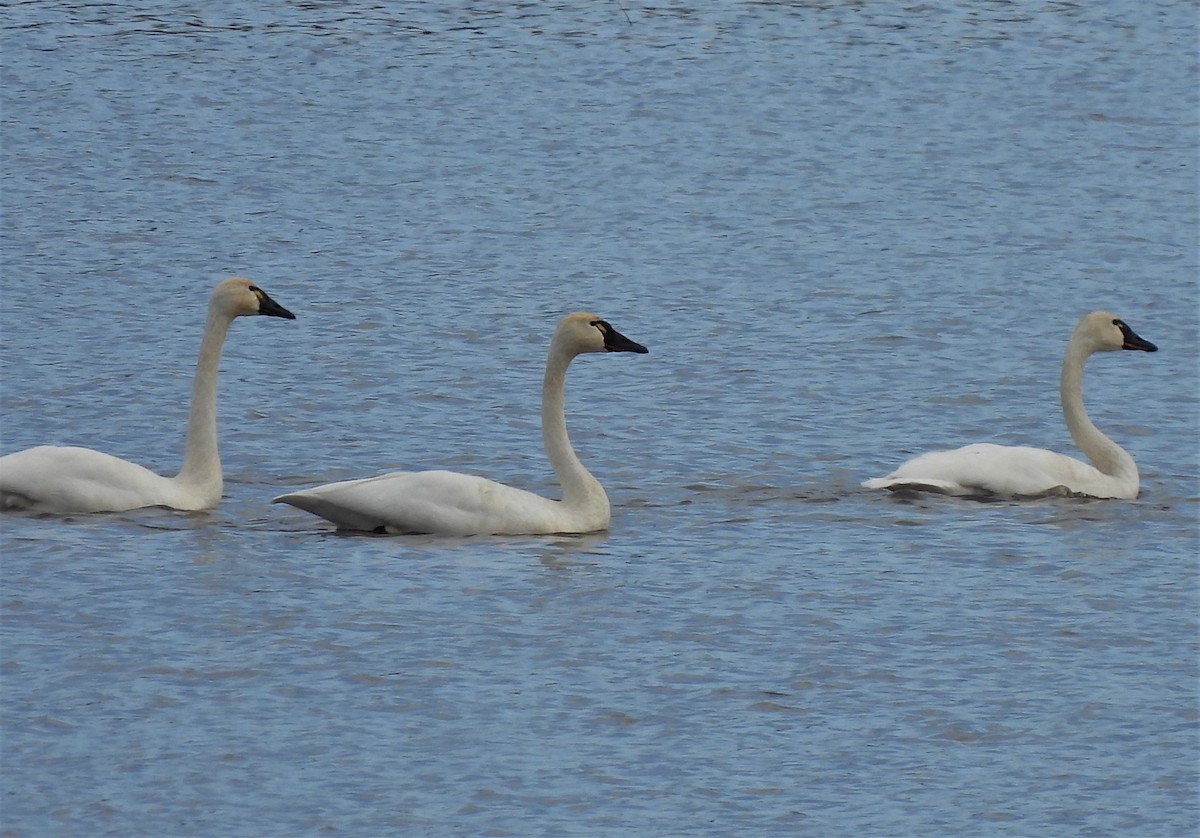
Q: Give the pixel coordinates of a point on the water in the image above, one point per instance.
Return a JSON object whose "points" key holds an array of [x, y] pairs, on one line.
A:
{"points": [[847, 233]]}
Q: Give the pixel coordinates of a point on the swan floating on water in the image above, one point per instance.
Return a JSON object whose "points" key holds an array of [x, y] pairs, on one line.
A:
{"points": [[49, 478], [448, 503], [985, 468]]}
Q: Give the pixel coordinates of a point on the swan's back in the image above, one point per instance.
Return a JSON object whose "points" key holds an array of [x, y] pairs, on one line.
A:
{"points": [[54, 478], [442, 503], [986, 468]]}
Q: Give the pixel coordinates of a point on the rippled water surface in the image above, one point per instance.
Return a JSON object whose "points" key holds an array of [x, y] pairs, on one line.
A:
{"points": [[848, 232]]}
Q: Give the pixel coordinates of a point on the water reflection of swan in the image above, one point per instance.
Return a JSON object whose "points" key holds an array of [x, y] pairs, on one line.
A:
{"points": [[448, 503], [56, 479], [985, 468]]}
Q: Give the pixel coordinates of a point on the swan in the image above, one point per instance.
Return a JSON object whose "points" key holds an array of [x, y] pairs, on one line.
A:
{"points": [[985, 468], [50, 478], [448, 503]]}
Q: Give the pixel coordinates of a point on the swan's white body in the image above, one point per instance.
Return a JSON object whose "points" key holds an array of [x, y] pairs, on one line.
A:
{"points": [[987, 469], [448, 503], [49, 478]]}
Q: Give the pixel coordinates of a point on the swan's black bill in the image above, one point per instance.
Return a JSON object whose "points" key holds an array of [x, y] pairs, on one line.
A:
{"points": [[1133, 341], [614, 341], [271, 308]]}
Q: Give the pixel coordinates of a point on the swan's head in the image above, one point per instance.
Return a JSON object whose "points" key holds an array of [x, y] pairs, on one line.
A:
{"points": [[586, 332], [238, 297], [1106, 332]]}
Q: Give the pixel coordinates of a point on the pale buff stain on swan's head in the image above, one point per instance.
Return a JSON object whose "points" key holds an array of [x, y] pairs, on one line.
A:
{"points": [[1102, 331], [238, 296]]}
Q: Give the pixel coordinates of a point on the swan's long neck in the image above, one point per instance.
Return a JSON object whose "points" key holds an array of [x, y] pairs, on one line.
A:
{"points": [[578, 485], [1105, 454], [201, 463]]}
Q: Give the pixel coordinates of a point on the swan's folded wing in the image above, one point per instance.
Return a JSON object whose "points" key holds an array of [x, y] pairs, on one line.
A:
{"points": [[1006, 470], [440, 502], [51, 478]]}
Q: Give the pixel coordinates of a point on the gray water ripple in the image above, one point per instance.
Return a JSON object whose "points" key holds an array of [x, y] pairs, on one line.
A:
{"points": [[848, 234]]}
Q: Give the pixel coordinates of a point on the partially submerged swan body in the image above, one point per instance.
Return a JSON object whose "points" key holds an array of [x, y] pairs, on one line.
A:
{"points": [[449, 503], [987, 469], [57, 479]]}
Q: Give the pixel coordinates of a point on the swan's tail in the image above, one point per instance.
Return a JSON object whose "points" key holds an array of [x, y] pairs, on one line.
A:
{"points": [[345, 519]]}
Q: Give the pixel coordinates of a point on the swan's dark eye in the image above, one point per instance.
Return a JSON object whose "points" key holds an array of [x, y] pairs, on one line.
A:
{"points": [[1118, 323], [602, 326]]}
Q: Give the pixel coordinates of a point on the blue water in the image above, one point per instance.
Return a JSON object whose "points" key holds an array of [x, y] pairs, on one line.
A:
{"points": [[848, 233]]}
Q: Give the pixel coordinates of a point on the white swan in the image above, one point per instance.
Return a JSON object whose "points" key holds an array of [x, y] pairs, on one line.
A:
{"points": [[985, 468], [448, 503], [53, 479]]}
